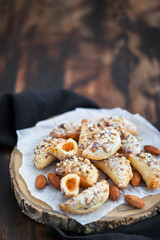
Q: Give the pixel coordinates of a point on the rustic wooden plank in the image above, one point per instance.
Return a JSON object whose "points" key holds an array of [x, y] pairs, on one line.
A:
{"points": [[122, 215], [14, 224]]}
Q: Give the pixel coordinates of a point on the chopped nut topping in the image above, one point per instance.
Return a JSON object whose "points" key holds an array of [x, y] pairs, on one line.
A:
{"points": [[80, 166]]}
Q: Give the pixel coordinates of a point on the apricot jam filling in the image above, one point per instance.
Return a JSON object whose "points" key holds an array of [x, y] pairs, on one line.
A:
{"points": [[69, 146], [71, 184]]}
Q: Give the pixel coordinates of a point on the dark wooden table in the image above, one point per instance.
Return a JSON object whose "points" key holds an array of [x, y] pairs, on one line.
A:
{"points": [[106, 50]]}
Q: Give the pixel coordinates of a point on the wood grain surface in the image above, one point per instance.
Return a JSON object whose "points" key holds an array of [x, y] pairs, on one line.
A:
{"points": [[106, 50], [122, 215]]}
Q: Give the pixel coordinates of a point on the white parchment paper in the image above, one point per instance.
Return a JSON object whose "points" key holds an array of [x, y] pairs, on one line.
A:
{"points": [[28, 138]]}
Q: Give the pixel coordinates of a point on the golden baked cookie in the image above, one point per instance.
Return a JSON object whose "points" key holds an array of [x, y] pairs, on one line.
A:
{"points": [[118, 168], [42, 156], [98, 144], [129, 144], [149, 168], [89, 200], [63, 148], [49, 149], [66, 130], [87, 172], [117, 123], [88, 130]]}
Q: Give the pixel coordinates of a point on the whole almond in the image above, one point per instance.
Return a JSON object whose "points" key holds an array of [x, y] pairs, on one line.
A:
{"points": [[41, 181], [54, 180], [136, 179], [152, 150], [113, 192], [134, 201]]}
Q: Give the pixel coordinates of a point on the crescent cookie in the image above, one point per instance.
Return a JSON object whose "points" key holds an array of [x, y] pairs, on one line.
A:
{"points": [[98, 144], [130, 144], [118, 123], [128, 126], [66, 130], [62, 148], [149, 168], [87, 172], [88, 130], [89, 200], [118, 168], [42, 157]]}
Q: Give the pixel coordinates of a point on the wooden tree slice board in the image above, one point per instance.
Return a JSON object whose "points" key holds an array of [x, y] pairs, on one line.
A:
{"points": [[124, 214]]}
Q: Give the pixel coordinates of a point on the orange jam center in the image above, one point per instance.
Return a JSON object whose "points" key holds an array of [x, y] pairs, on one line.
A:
{"points": [[69, 146], [71, 184]]}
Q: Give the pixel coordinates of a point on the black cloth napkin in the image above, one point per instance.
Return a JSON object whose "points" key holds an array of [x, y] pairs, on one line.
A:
{"points": [[18, 111], [23, 110], [148, 229]]}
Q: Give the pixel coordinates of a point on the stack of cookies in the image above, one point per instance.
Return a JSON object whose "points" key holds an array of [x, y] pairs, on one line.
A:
{"points": [[108, 144]]}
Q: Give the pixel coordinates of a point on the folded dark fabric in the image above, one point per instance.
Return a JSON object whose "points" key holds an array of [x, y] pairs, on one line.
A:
{"points": [[147, 229], [18, 111], [56, 232]]}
